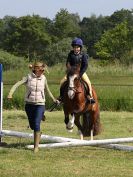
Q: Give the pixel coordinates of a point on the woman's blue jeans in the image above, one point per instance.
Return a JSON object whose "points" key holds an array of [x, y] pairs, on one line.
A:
{"points": [[35, 114]]}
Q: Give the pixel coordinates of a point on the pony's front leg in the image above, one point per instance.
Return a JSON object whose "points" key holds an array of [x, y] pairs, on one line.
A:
{"points": [[66, 120], [81, 135], [77, 123], [70, 124]]}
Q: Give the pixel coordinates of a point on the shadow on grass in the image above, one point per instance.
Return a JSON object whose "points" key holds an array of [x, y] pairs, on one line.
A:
{"points": [[14, 145]]}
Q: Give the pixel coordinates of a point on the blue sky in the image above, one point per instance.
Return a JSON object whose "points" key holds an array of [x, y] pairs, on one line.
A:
{"points": [[49, 8]]}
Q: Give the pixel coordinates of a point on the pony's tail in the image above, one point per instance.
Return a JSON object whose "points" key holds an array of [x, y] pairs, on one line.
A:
{"points": [[87, 124]]}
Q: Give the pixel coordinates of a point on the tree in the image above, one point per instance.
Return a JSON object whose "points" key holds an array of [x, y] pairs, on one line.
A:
{"points": [[121, 16], [10, 61], [66, 25], [8, 34], [114, 43], [57, 52], [25, 36], [34, 36], [92, 29]]}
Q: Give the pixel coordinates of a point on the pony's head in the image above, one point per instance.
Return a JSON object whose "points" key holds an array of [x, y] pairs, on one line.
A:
{"points": [[73, 78], [73, 70]]}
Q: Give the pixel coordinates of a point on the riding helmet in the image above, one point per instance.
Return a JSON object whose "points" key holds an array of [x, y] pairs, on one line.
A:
{"points": [[77, 42]]}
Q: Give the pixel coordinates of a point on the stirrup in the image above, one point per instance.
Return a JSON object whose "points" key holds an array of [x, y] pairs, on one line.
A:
{"points": [[92, 101], [59, 98]]}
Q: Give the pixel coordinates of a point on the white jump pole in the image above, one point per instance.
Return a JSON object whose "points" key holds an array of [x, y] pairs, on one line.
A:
{"points": [[43, 137], [60, 141], [1, 101], [118, 147], [85, 143]]}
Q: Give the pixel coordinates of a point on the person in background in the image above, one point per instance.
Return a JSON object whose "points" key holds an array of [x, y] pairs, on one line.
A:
{"points": [[77, 56], [36, 85]]}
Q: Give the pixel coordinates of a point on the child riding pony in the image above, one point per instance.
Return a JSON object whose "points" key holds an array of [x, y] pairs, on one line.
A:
{"points": [[75, 103]]}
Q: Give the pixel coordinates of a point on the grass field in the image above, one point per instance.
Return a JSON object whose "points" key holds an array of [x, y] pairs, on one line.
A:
{"points": [[16, 160], [113, 84]]}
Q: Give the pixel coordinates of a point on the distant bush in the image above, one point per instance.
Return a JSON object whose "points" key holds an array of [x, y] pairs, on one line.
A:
{"points": [[10, 61]]}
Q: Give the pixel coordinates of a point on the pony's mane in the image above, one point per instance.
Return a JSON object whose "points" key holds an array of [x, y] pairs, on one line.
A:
{"points": [[73, 70]]}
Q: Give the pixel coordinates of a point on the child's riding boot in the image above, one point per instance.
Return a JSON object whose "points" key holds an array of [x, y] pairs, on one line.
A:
{"points": [[90, 100]]}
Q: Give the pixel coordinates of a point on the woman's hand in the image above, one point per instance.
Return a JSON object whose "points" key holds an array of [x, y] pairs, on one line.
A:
{"points": [[57, 101]]}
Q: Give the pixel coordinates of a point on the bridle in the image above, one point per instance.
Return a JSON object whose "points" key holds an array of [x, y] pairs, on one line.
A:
{"points": [[72, 90]]}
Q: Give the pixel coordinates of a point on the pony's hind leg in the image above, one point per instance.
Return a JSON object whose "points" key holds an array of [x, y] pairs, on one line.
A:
{"points": [[80, 134], [91, 134]]}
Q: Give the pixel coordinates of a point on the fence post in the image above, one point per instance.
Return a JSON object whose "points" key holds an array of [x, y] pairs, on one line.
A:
{"points": [[1, 101]]}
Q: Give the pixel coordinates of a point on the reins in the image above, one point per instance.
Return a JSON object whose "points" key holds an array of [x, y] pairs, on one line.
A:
{"points": [[53, 106], [72, 88]]}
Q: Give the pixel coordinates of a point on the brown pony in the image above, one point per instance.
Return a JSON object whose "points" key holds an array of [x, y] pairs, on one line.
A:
{"points": [[74, 96]]}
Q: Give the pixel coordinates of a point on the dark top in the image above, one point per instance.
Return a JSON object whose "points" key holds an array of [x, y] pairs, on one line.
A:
{"points": [[81, 58]]}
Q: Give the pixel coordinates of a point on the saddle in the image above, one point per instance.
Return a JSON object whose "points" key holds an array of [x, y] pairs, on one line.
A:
{"points": [[62, 90], [85, 85], [86, 88]]}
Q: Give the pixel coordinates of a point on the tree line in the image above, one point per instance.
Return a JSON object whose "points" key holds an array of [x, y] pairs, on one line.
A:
{"points": [[33, 37]]}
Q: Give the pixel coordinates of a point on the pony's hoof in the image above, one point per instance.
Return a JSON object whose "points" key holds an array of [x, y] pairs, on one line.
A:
{"points": [[81, 137], [70, 125], [69, 129]]}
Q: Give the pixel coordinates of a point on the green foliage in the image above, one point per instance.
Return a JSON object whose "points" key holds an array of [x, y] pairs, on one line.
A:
{"points": [[57, 52], [10, 61], [25, 36], [120, 16], [31, 36], [65, 162], [114, 91], [91, 30], [114, 43], [66, 24]]}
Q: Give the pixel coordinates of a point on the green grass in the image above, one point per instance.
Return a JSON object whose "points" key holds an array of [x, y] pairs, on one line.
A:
{"points": [[113, 84], [87, 161]]}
